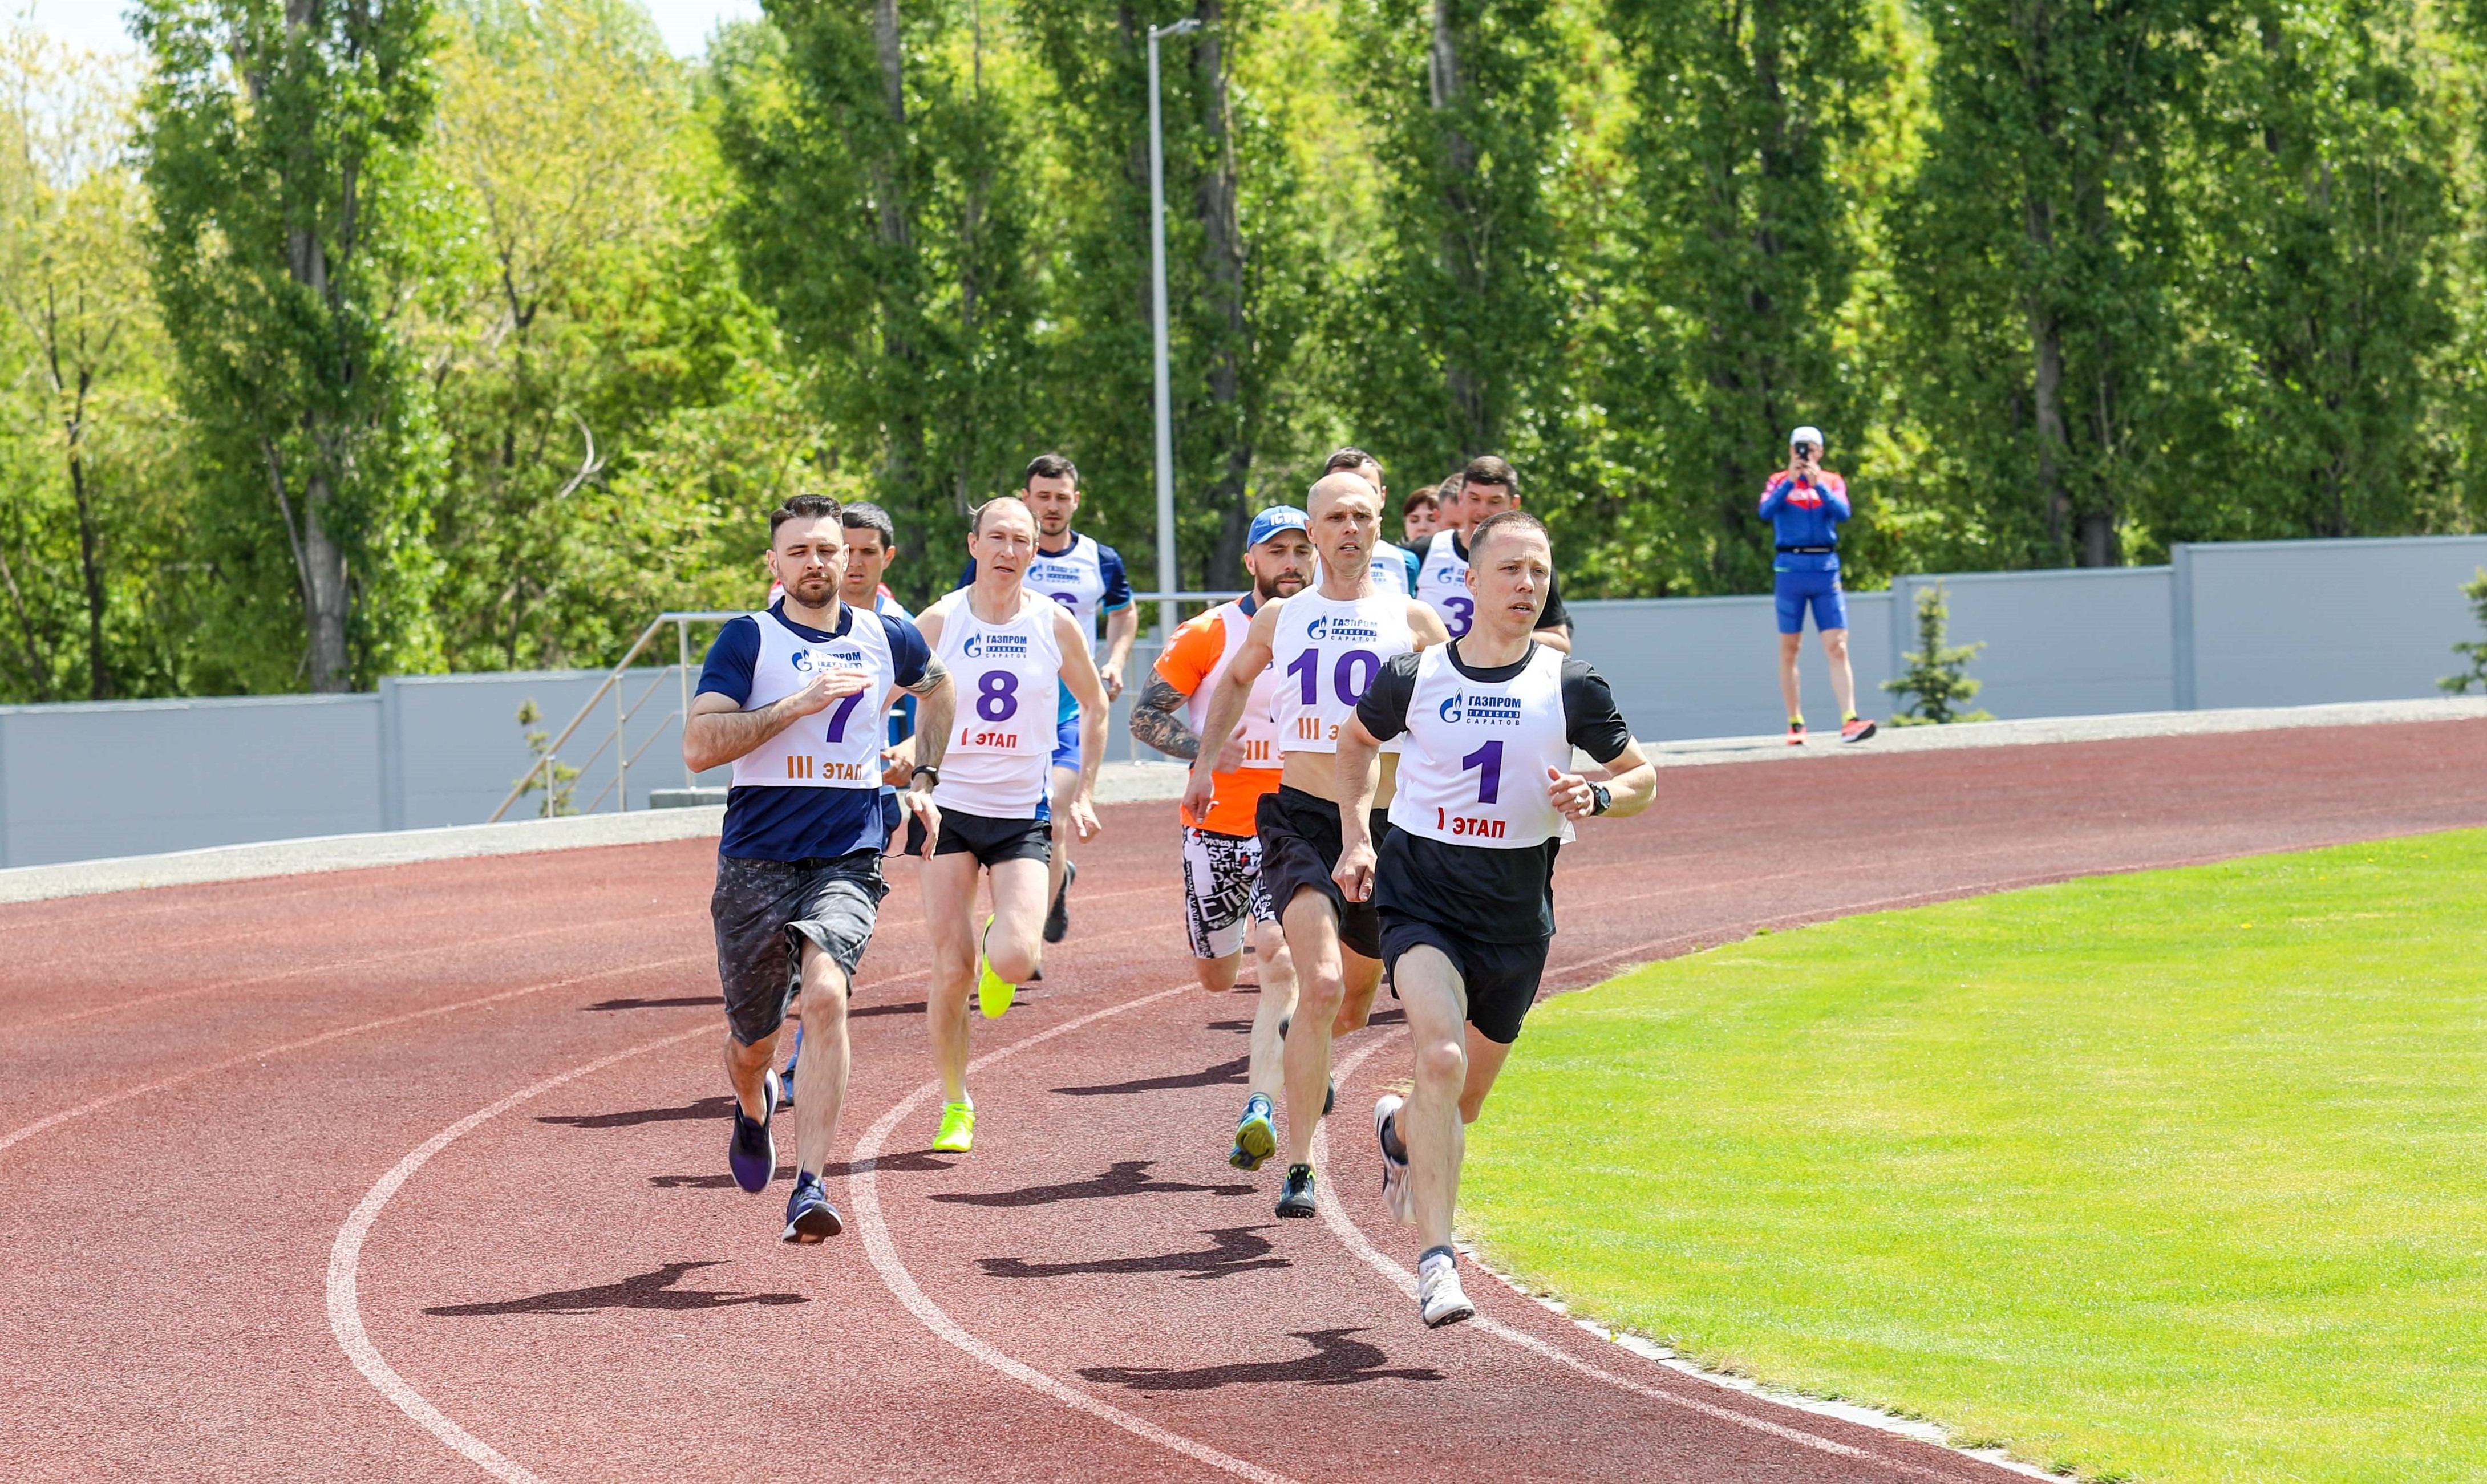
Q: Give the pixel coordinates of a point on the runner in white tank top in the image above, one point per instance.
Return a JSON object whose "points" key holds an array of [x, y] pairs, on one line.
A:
{"points": [[1327, 643], [1465, 880], [1008, 649]]}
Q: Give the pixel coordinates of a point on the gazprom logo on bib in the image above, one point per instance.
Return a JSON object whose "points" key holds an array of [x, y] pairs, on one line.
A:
{"points": [[1484, 708], [1345, 627], [1316, 627], [994, 646]]}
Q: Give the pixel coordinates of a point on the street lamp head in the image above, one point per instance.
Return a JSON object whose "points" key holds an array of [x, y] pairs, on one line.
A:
{"points": [[1188, 24]]}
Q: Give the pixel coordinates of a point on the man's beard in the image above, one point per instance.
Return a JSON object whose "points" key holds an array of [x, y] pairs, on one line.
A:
{"points": [[1264, 589], [820, 591]]}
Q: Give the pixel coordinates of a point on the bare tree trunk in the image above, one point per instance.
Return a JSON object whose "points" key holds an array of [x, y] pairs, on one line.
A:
{"points": [[90, 563], [1223, 250], [325, 563], [2047, 352], [1469, 392]]}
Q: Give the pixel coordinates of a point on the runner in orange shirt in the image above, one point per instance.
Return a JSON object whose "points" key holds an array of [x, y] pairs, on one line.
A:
{"points": [[1221, 849]]}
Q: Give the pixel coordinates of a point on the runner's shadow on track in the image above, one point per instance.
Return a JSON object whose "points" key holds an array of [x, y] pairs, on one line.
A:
{"points": [[919, 1161], [685, 1002], [1336, 1360], [640, 1291], [1127, 1177], [716, 1107], [1236, 1250], [1219, 1076]]}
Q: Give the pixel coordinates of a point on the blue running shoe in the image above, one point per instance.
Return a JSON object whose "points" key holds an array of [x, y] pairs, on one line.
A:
{"points": [[809, 1215], [752, 1152], [786, 1079], [1256, 1134]]}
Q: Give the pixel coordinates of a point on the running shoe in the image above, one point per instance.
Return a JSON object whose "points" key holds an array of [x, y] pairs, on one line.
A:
{"points": [[1057, 920], [752, 1153], [1856, 729], [1394, 1166], [1438, 1294], [992, 994], [1256, 1136], [1297, 1200], [809, 1215], [958, 1133], [1796, 734]]}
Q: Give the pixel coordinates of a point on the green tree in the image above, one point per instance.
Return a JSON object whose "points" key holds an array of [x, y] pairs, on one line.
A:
{"points": [[2473, 650], [2035, 258], [1937, 681], [280, 140], [1742, 238]]}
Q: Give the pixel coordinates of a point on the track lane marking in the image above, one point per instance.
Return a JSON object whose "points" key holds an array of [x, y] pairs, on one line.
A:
{"points": [[26, 1132], [345, 1257], [1333, 1215], [863, 1185]]}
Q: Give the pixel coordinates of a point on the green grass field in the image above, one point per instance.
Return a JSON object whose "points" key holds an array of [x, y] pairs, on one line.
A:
{"points": [[2174, 1176]]}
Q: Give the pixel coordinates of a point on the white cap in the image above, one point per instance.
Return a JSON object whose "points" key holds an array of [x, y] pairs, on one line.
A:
{"points": [[1812, 435]]}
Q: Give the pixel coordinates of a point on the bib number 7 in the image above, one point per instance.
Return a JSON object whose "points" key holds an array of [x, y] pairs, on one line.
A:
{"points": [[838, 718]]}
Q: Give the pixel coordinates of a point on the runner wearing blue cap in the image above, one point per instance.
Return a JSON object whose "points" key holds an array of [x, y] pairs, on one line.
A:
{"points": [[1223, 892], [1806, 505]]}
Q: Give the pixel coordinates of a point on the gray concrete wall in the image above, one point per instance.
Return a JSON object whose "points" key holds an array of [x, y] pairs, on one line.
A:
{"points": [[2244, 625]]}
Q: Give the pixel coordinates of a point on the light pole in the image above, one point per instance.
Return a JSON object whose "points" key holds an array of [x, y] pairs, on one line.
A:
{"points": [[1158, 330]]}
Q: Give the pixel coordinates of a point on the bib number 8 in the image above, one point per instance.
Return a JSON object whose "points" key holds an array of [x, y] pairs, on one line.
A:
{"points": [[997, 696]]}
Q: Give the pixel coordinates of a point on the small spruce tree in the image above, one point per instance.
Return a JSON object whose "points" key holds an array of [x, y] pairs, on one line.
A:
{"points": [[2475, 652], [1936, 678], [561, 789]]}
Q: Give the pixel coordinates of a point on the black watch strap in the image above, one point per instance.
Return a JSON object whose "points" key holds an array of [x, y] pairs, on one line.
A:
{"points": [[1600, 797], [927, 774]]}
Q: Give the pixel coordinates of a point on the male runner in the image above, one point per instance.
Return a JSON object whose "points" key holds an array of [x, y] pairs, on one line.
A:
{"points": [[1223, 892], [1465, 880], [1394, 568], [1805, 504], [872, 544], [1012, 650], [1487, 487], [1086, 577], [1327, 644], [799, 863], [1420, 516]]}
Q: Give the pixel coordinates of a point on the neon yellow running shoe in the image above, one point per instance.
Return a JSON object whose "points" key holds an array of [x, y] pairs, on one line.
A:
{"points": [[958, 1133], [992, 994]]}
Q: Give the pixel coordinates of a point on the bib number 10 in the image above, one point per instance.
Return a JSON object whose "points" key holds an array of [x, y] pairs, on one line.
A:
{"points": [[1348, 679]]}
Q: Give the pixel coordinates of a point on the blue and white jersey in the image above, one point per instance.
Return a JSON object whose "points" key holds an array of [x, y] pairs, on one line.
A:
{"points": [[812, 791], [1442, 582], [1088, 579]]}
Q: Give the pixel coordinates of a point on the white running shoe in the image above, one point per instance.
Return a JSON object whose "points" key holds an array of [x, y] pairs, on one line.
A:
{"points": [[1394, 1169], [1438, 1294]]}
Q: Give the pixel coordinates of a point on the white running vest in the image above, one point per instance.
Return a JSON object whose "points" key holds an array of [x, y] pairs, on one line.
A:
{"points": [[999, 761], [1074, 578], [1473, 764], [1325, 654], [1391, 569], [1442, 584], [837, 748], [1259, 729]]}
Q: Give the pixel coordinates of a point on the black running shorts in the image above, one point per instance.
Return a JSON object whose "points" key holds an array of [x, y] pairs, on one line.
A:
{"points": [[993, 841], [1299, 848], [763, 910], [1501, 979]]}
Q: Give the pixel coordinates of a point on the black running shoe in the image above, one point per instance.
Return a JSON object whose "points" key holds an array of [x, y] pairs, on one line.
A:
{"points": [[1057, 922], [1297, 1200], [752, 1153]]}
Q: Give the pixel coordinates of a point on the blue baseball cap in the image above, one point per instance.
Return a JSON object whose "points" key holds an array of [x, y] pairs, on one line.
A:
{"points": [[1270, 522]]}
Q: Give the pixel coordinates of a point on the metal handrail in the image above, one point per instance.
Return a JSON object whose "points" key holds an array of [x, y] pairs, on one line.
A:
{"points": [[681, 620]]}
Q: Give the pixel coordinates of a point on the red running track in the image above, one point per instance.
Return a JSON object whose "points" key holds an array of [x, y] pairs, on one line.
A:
{"points": [[417, 1173]]}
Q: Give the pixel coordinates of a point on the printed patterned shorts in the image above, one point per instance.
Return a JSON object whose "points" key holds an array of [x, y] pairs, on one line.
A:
{"points": [[1222, 893]]}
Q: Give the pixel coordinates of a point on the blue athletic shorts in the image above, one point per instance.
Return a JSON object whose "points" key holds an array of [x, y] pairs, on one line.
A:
{"points": [[1066, 742], [1796, 589]]}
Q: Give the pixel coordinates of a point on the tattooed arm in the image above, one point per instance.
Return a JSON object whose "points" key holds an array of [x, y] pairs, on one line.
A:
{"points": [[1155, 719]]}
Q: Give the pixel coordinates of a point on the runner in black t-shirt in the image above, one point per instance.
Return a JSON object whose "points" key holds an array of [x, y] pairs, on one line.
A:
{"points": [[1465, 880]]}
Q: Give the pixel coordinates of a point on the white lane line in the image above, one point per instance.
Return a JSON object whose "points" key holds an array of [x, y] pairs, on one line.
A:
{"points": [[20, 1136], [1334, 1217], [345, 1260], [863, 1185]]}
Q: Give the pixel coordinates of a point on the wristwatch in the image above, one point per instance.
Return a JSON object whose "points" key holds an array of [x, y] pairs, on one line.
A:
{"points": [[927, 776], [1600, 797]]}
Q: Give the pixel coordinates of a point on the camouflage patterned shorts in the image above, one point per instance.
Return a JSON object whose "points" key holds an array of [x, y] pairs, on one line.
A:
{"points": [[765, 908]]}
